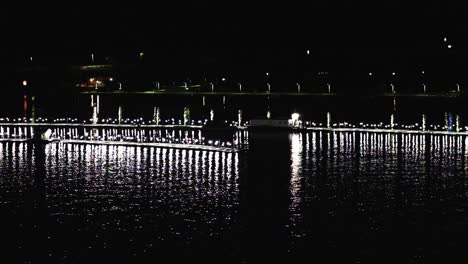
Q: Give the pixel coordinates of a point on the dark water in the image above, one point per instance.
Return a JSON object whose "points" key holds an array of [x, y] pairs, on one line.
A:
{"points": [[346, 197], [90, 204], [343, 197], [354, 110]]}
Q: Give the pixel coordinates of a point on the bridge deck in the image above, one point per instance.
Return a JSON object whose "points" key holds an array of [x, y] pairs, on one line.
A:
{"points": [[103, 125], [138, 144]]}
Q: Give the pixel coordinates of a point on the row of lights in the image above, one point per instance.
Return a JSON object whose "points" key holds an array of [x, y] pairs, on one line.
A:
{"points": [[141, 54], [295, 116]]}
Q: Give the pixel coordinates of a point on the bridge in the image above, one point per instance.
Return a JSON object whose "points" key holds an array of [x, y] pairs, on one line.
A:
{"points": [[266, 93], [152, 135]]}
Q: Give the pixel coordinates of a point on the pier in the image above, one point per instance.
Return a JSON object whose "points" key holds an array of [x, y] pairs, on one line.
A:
{"points": [[273, 93], [164, 136]]}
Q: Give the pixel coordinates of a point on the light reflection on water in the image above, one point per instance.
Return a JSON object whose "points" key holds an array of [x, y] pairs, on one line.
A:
{"points": [[349, 196], [103, 194], [364, 189]]}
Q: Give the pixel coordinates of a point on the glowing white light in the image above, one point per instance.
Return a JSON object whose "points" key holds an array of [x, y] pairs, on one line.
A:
{"points": [[296, 165], [295, 116], [370, 73], [449, 46], [25, 83], [111, 79], [308, 52], [46, 135]]}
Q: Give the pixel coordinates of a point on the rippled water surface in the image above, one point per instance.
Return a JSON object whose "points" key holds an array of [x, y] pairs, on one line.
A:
{"points": [[340, 196], [71, 202]]}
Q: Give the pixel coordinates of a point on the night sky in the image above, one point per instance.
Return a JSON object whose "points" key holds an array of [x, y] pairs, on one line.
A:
{"points": [[391, 33], [386, 24]]}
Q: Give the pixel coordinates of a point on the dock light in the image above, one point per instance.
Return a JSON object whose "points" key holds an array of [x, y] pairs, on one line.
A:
{"points": [[295, 116], [25, 83]]}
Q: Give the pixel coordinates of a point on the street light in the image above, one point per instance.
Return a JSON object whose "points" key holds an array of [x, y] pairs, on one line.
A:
{"points": [[295, 119], [25, 83], [295, 116]]}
